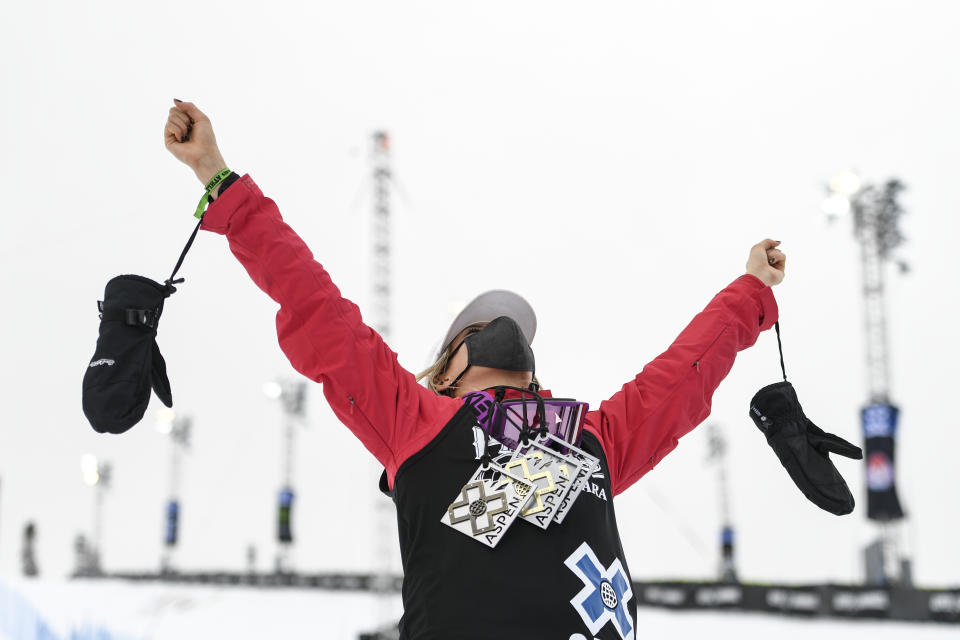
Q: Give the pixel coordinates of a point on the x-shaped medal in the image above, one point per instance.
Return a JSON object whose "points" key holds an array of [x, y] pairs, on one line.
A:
{"points": [[546, 486], [477, 507]]}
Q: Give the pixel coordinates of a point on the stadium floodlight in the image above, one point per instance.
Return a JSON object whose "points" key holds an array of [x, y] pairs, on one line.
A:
{"points": [[90, 468], [165, 419], [836, 204], [272, 389], [841, 190], [845, 183]]}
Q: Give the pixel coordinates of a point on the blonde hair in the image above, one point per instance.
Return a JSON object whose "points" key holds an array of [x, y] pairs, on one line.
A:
{"points": [[434, 372]]}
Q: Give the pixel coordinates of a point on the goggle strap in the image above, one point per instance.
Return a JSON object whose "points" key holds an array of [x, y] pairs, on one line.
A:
{"points": [[525, 431]]}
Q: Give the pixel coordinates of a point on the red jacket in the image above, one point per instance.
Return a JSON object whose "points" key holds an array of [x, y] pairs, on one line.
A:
{"points": [[323, 335]]}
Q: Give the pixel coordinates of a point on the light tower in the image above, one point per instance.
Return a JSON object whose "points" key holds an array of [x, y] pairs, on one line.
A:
{"points": [[178, 428], [96, 474], [876, 215], [293, 397], [380, 156], [385, 534], [717, 446]]}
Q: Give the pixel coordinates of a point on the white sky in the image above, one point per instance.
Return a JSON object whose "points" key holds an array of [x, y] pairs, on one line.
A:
{"points": [[613, 162]]}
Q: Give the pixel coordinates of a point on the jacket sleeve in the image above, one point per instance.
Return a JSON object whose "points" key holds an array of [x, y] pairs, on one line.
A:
{"points": [[643, 421], [323, 334]]}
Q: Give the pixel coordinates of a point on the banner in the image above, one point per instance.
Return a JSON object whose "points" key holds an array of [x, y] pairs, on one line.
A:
{"points": [[284, 507], [172, 521], [879, 422], [823, 600]]}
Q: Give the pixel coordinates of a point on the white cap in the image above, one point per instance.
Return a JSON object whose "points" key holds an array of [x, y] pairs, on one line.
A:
{"points": [[491, 305]]}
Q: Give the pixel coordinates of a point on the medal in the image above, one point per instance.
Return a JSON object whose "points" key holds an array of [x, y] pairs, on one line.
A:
{"points": [[588, 464], [538, 481], [552, 475], [488, 504]]}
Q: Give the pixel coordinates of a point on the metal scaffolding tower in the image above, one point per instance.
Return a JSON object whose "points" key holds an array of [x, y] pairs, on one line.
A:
{"points": [[876, 215], [380, 319], [293, 400], [385, 529], [179, 429], [97, 474], [717, 451]]}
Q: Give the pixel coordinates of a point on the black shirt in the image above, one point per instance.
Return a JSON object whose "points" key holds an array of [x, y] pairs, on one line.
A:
{"points": [[552, 584]]}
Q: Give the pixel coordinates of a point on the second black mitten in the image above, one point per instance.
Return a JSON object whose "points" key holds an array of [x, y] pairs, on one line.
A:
{"points": [[127, 362], [803, 448]]}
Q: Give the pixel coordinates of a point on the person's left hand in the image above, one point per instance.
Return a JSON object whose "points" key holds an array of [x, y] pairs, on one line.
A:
{"points": [[767, 262]]}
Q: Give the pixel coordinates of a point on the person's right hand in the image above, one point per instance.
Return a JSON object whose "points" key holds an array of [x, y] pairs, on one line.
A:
{"points": [[188, 135], [767, 262]]}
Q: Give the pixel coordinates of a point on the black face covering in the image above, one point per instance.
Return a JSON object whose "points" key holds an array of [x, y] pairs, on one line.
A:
{"points": [[499, 345]]}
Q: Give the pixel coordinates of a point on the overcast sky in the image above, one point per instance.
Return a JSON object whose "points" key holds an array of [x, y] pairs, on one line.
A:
{"points": [[612, 162]]}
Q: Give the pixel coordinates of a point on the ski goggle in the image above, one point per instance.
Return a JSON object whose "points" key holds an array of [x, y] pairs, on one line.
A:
{"points": [[518, 420]]}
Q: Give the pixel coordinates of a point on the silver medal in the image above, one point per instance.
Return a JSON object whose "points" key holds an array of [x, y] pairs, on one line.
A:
{"points": [[488, 504], [588, 464], [552, 475]]}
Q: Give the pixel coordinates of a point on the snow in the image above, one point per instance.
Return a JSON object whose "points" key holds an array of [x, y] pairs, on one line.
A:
{"points": [[116, 610]]}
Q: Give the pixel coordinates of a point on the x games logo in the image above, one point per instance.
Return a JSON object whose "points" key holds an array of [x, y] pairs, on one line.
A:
{"points": [[605, 593]]}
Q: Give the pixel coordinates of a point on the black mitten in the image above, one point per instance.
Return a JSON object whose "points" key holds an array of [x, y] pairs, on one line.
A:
{"points": [[158, 376], [803, 447], [127, 362]]}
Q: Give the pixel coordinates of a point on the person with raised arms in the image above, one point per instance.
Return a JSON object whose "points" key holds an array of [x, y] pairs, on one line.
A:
{"points": [[504, 494]]}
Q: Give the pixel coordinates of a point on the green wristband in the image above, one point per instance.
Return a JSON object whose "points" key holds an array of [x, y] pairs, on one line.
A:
{"points": [[214, 181]]}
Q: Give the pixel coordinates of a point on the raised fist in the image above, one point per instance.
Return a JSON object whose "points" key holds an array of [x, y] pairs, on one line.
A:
{"points": [[767, 262], [188, 135]]}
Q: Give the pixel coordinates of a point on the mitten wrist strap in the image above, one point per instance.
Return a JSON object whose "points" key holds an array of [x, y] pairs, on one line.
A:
{"points": [[133, 317], [183, 254], [208, 189], [215, 181], [776, 326]]}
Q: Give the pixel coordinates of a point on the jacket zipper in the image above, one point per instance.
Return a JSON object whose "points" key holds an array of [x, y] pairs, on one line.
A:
{"points": [[353, 403], [696, 363]]}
